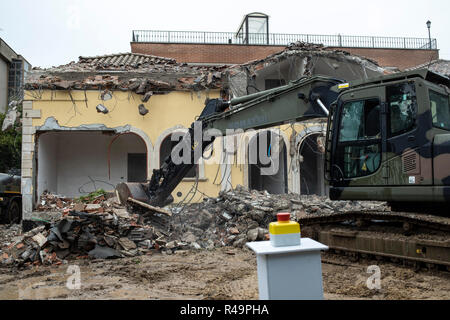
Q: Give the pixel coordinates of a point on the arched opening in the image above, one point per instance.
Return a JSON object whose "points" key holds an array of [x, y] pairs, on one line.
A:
{"points": [[276, 183], [165, 150], [312, 157]]}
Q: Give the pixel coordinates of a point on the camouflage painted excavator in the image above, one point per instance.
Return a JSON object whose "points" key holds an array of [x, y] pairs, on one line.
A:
{"points": [[388, 139]]}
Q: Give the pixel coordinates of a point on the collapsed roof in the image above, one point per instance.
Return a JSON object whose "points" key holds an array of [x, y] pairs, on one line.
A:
{"points": [[297, 60], [140, 73], [147, 74], [439, 66]]}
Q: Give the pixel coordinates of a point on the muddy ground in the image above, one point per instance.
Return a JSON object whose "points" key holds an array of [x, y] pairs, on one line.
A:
{"points": [[224, 273]]}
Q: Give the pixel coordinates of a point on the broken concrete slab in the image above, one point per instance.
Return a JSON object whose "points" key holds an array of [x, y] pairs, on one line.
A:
{"points": [[79, 206], [92, 207], [122, 213], [127, 244], [252, 235], [40, 239]]}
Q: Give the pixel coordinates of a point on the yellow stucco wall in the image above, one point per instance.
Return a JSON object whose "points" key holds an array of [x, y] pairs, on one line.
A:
{"points": [[166, 111]]}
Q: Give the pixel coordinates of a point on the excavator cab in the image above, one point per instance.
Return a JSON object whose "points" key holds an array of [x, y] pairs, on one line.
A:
{"points": [[388, 138]]}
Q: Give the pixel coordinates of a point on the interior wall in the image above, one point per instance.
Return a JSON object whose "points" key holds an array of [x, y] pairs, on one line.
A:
{"points": [[46, 161], [274, 184], [287, 70], [120, 148], [312, 181], [77, 162]]}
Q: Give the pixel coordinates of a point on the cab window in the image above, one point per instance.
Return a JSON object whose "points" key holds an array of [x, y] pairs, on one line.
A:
{"points": [[359, 147], [401, 99], [360, 120], [440, 110]]}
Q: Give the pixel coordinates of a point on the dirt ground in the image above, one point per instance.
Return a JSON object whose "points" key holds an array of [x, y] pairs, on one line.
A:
{"points": [[225, 273]]}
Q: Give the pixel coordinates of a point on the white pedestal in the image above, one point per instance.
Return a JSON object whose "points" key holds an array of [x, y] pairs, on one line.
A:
{"points": [[289, 273]]}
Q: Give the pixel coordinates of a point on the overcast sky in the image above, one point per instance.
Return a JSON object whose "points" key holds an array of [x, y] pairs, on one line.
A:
{"points": [[54, 32]]}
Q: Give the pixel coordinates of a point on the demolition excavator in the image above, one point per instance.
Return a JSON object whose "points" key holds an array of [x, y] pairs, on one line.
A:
{"points": [[388, 139]]}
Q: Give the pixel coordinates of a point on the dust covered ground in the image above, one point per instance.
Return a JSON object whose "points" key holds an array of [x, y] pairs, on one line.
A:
{"points": [[221, 273]]}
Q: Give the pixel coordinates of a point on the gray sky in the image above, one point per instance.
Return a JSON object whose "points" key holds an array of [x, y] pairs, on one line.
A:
{"points": [[54, 32]]}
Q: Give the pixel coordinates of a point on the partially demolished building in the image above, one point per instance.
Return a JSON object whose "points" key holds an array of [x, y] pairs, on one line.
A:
{"points": [[103, 120]]}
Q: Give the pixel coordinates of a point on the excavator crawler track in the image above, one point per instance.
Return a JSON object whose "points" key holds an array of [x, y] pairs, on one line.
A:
{"points": [[416, 240]]}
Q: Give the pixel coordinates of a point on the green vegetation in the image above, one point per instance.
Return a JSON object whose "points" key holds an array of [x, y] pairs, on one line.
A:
{"points": [[10, 147], [91, 196]]}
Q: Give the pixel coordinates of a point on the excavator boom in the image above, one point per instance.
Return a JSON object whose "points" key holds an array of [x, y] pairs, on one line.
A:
{"points": [[305, 98]]}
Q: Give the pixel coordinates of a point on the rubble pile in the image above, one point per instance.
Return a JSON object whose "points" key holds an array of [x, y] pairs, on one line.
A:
{"points": [[305, 46], [99, 227], [93, 203], [300, 45], [239, 216]]}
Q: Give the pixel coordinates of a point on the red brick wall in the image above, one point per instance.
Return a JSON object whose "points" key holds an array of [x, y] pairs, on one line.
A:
{"points": [[233, 54], [206, 53]]}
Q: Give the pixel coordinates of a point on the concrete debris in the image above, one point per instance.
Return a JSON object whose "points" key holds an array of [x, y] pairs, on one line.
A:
{"points": [[106, 95], [94, 232], [105, 229], [101, 108], [239, 216], [142, 110], [127, 244], [147, 96]]}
